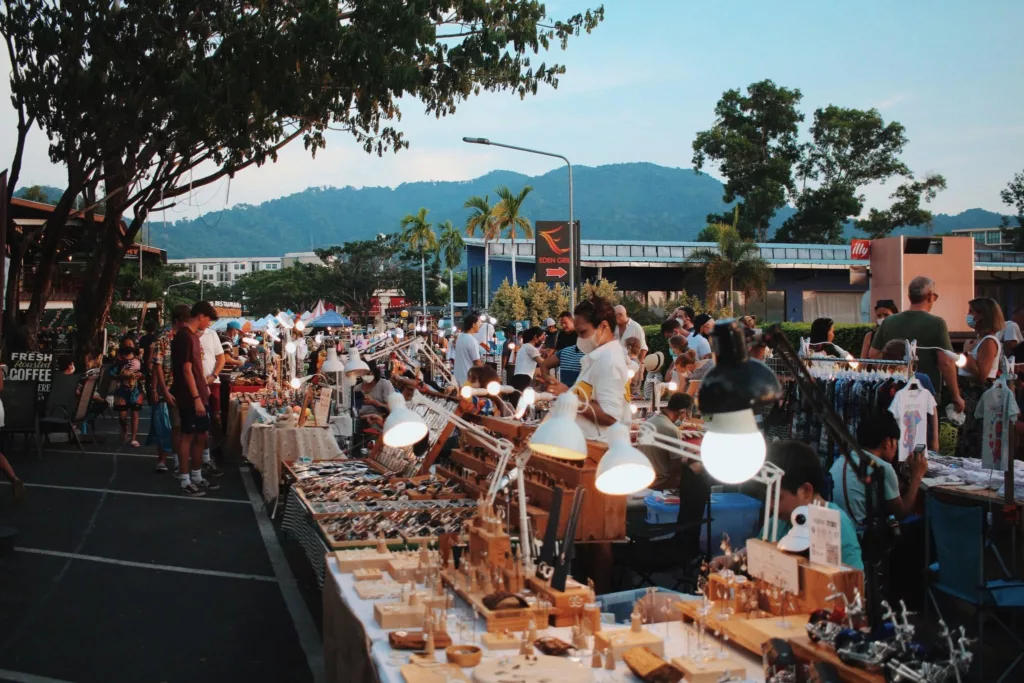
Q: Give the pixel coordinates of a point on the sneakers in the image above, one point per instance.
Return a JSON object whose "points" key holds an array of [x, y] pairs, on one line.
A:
{"points": [[210, 469], [161, 468], [192, 491], [206, 485]]}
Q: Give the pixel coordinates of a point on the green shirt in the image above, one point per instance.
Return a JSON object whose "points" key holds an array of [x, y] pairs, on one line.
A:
{"points": [[847, 536], [925, 328], [662, 461], [856, 505]]}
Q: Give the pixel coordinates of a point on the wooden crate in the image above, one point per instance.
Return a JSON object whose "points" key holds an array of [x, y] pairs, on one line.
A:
{"points": [[750, 634], [567, 605], [515, 619]]}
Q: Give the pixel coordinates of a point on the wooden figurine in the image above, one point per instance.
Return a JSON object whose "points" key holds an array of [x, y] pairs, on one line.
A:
{"points": [[636, 622], [532, 632], [382, 544], [609, 662], [429, 647], [526, 646], [596, 660]]}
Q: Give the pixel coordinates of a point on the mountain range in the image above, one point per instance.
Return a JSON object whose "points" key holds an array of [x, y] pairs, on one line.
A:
{"points": [[616, 201]]}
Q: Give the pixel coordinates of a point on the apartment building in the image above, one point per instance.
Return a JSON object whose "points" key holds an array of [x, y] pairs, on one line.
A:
{"points": [[223, 271]]}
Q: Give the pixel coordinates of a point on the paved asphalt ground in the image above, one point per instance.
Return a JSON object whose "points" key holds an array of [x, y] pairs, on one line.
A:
{"points": [[116, 577]]}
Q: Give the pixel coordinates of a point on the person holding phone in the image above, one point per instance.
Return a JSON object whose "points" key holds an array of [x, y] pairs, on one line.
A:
{"points": [[879, 437]]}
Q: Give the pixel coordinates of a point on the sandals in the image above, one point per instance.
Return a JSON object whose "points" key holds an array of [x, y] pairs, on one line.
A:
{"points": [[135, 444]]}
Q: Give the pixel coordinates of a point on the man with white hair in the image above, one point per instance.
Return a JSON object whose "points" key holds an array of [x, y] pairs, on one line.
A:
{"points": [[626, 327], [918, 323]]}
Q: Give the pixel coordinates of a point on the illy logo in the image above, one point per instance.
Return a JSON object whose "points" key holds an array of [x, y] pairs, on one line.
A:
{"points": [[860, 249]]}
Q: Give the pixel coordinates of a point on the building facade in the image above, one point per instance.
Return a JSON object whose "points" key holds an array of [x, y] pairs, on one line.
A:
{"points": [[224, 271], [987, 238], [808, 280]]}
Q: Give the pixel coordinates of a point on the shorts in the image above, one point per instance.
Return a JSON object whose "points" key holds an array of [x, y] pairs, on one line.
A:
{"points": [[213, 406], [175, 416], [192, 423]]}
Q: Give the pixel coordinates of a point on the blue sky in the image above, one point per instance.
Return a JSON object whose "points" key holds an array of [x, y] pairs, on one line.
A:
{"points": [[647, 79]]}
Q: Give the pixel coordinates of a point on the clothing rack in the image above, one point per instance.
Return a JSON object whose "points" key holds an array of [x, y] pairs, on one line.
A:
{"points": [[859, 361]]}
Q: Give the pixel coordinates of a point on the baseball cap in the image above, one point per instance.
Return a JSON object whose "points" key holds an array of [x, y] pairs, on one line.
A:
{"points": [[234, 325], [549, 322]]}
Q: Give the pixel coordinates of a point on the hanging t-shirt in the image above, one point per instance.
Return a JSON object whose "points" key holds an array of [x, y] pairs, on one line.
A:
{"points": [[911, 407], [997, 409]]}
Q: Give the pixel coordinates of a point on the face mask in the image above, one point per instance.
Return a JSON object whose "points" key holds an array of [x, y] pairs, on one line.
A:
{"points": [[587, 345], [367, 379], [879, 321], [970, 321]]}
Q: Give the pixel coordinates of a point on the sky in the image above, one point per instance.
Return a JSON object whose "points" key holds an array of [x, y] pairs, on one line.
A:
{"points": [[647, 79]]}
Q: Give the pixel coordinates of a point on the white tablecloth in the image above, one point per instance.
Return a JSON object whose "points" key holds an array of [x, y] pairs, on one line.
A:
{"points": [[388, 662], [255, 414], [268, 446]]}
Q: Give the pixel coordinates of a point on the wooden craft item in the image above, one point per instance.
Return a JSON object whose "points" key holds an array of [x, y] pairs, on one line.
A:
{"points": [[465, 656], [500, 641], [417, 640], [427, 672], [504, 600], [523, 669], [391, 615], [710, 670], [750, 634], [516, 619], [817, 582], [649, 667], [525, 646], [566, 605], [735, 593], [362, 558], [596, 660], [609, 659], [404, 568], [552, 646], [621, 640], [367, 574]]}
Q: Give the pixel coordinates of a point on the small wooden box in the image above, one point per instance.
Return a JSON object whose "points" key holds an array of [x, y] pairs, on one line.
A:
{"points": [[709, 670], [815, 580], [367, 574], [362, 558], [405, 568], [737, 594], [391, 615], [501, 641], [624, 639]]}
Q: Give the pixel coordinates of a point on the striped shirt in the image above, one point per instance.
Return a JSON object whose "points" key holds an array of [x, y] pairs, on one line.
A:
{"points": [[569, 364]]}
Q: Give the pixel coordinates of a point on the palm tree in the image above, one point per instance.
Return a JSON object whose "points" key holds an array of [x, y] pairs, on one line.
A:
{"points": [[735, 262], [451, 245], [508, 218], [481, 220], [418, 235]]}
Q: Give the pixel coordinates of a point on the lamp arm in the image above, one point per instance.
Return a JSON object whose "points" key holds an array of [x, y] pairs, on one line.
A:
{"points": [[439, 365], [380, 353], [497, 445]]}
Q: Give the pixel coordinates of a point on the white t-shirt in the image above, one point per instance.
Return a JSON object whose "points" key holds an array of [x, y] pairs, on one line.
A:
{"points": [[700, 345], [485, 333], [1012, 332], [526, 360], [633, 329], [997, 409], [210, 346], [911, 407], [604, 378], [467, 351]]}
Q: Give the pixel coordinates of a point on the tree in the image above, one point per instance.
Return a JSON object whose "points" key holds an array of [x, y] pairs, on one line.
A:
{"points": [[1013, 196], [735, 262], [451, 245], [906, 210], [150, 290], [754, 143], [849, 150], [509, 219], [141, 99], [36, 193], [418, 236], [481, 220], [600, 288], [539, 300], [559, 299], [713, 231], [508, 305]]}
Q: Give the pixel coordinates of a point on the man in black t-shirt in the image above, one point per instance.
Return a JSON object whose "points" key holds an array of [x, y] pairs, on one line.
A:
{"points": [[563, 337]]}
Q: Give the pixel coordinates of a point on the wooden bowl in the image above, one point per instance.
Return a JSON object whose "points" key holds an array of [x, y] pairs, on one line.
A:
{"points": [[464, 656]]}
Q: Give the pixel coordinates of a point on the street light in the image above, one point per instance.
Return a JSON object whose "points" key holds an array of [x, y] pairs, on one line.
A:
{"points": [[572, 224], [179, 284]]}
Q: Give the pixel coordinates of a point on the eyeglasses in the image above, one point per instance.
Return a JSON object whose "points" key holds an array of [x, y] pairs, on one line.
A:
{"points": [[935, 297]]}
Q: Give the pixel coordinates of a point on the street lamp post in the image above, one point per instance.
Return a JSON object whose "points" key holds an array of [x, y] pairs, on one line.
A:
{"points": [[572, 224], [188, 282]]}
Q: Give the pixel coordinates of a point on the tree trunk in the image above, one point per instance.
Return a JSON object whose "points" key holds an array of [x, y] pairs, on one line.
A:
{"points": [[13, 333], [423, 282], [487, 276], [514, 283], [145, 305], [42, 280], [451, 293], [732, 306]]}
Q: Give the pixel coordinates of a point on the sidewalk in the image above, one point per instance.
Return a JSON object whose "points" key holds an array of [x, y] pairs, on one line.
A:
{"points": [[116, 577]]}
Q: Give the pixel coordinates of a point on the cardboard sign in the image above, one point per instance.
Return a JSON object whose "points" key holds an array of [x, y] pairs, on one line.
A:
{"points": [[826, 536], [32, 367], [778, 568], [322, 411]]}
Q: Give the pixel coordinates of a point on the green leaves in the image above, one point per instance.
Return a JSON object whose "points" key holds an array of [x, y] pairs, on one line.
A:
{"points": [[906, 210], [1013, 196], [735, 264]]}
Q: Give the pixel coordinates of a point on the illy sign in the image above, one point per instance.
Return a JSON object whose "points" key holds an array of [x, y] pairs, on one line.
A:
{"points": [[860, 249]]}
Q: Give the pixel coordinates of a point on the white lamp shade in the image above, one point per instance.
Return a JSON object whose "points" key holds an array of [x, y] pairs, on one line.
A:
{"points": [[559, 436], [733, 449], [623, 469], [332, 363], [404, 427], [355, 366]]}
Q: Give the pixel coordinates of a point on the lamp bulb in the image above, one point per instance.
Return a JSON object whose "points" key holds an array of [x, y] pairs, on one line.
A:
{"points": [[511, 346], [961, 360], [466, 392], [631, 373], [290, 347], [493, 388], [296, 383], [633, 408], [733, 449], [319, 338], [672, 386], [853, 363], [299, 325]]}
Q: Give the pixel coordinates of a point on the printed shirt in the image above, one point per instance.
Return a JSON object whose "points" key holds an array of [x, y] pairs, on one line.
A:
{"points": [[911, 407], [997, 409], [161, 355]]}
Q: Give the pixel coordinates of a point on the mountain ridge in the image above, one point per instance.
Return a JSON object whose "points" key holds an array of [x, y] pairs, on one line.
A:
{"points": [[633, 200]]}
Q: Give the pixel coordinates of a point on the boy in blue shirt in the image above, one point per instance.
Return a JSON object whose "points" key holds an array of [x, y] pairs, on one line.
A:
{"points": [[803, 482]]}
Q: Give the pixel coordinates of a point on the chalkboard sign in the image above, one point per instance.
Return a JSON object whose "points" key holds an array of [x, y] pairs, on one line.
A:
{"points": [[32, 367]]}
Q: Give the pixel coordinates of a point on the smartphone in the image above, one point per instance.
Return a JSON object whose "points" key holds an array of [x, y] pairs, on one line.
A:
{"points": [[919, 449]]}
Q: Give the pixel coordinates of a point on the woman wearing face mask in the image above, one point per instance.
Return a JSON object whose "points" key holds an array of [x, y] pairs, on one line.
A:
{"points": [[883, 309], [375, 390], [603, 378], [985, 317]]}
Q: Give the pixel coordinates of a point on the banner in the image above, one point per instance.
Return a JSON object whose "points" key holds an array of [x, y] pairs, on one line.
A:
{"points": [[556, 253], [33, 368], [860, 250]]}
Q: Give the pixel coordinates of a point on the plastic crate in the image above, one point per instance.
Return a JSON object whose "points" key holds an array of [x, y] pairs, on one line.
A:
{"points": [[617, 607], [732, 513]]}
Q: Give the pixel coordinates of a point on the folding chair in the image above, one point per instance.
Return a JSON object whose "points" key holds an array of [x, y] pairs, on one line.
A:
{"points": [[959, 534], [63, 415], [21, 412], [98, 408]]}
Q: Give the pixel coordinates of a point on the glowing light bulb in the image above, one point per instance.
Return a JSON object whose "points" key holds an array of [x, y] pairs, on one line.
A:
{"points": [[853, 364], [672, 386], [493, 388], [319, 338], [466, 392], [633, 408], [631, 374], [296, 383], [511, 346], [290, 347], [299, 325], [961, 360], [733, 449]]}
